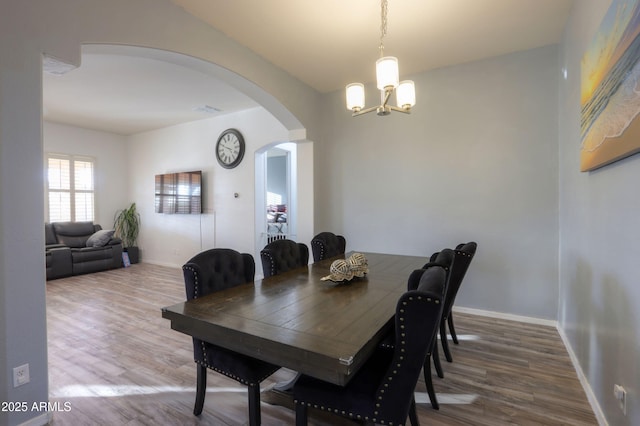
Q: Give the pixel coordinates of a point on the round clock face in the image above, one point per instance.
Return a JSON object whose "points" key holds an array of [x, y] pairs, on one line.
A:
{"points": [[230, 148]]}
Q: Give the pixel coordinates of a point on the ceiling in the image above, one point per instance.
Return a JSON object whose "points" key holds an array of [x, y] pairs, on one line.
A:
{"points": [[326, 44]]}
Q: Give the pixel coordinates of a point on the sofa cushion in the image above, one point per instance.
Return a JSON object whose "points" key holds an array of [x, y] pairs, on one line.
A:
{"points": [[100, 238], [87, 254], [74, 234]]}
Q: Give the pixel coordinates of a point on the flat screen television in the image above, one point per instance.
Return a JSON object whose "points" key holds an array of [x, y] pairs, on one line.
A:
{"points": [[179, 193]]}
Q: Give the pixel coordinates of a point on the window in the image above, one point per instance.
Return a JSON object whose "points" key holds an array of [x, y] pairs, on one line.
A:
{"points": [[70, 188], [273, 199]]}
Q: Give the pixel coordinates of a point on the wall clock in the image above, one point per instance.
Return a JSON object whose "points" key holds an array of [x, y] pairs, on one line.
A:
{"points": [[230, 148]]}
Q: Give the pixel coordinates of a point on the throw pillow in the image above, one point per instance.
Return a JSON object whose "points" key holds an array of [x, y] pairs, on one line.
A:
{"points": [[100, 238]]}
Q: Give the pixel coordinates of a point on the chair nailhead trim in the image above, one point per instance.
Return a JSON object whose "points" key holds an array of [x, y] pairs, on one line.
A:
{"points": [[319, 244], [204, 346], [463, 253], [195, 277], [273, 263], [381, 392]]}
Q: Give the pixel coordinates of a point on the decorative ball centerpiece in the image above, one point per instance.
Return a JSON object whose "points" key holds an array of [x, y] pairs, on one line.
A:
{"points": [[358, 264], [345, 270], [339, 271]]}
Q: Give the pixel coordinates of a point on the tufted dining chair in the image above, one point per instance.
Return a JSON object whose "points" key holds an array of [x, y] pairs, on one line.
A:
{"points": [[382, 391], [444, 259], [326, 245], [463, 255], [283, 255], [209, 272]]}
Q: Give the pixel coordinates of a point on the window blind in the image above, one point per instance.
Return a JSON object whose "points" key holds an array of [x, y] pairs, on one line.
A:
{"points": [[70, 188]]}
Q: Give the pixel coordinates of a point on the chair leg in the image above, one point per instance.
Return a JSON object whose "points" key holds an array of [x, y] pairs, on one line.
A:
{"points": [[301, 415], [254, 405], [429, 383], [436, 359], [443, 339], [201, 389], [413, 415], [452, 330]]}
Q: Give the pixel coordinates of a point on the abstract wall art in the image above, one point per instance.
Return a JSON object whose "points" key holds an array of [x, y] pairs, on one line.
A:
{"points": [[610, 88]]}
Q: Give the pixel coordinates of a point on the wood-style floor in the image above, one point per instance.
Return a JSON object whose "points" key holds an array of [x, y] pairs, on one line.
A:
{"points": [[113, 360]]}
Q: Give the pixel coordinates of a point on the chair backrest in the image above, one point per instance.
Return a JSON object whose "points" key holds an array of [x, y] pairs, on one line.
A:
{"points": [[469, 247], [326, 245], [444, 258], [283, 255], [418, 313], [463, 255], [217, 269]]}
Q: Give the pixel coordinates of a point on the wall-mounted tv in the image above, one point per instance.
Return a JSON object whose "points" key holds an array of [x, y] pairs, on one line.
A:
{"points": [[179, 193]]}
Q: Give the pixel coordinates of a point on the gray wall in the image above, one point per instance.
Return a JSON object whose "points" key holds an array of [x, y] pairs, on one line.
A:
{"points": [[476, 160], [599, 291]]}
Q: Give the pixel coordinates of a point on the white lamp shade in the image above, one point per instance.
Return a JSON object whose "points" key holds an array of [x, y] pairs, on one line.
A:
{"points": [[406, 94], [355, 96], [387, 72]]}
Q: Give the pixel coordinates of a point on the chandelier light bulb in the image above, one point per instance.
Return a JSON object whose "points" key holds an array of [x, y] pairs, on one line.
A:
{"points": [[406, 94], [355, 96], [387, 73]]}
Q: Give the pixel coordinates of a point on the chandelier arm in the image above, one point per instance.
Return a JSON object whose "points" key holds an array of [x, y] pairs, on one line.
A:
{"points": [[399, 109], [387, 95], [364, 111]]}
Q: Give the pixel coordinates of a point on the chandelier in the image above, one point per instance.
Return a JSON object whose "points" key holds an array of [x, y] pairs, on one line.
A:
{"points": [[387, 82]]}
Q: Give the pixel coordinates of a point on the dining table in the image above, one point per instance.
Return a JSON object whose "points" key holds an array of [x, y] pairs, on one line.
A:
{"points": [[299, 320]]}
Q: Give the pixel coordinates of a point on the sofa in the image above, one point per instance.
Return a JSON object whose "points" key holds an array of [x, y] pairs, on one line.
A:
{"points": [[74, 248]]}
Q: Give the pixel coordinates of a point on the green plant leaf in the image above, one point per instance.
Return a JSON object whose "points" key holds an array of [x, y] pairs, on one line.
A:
{"points": [[127, 225]]}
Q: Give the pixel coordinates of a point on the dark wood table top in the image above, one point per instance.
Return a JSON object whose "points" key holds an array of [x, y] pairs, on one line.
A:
{"points": [[296, 320]]}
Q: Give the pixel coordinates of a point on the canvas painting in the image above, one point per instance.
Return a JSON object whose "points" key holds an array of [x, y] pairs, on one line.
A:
{"points": [[610, 92]]}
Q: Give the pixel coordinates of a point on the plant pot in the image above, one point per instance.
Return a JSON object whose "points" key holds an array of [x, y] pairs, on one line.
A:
{"points": [[134, 254]]}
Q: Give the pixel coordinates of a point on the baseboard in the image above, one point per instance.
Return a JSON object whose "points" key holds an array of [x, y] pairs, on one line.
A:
{"points": [[510, 317], [595, 406], [163, 264], [593, 401]]}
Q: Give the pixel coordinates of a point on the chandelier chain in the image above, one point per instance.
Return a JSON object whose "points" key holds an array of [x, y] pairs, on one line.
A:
{"points": [[383, 24]]}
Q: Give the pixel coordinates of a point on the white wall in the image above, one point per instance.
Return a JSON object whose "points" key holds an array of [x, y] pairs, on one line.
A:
{"points": [[599, 308], [476, 160], [109, 152], [227, 221]]}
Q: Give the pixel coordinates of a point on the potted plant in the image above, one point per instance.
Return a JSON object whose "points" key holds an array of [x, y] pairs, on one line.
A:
{"points": [[127, 226]]}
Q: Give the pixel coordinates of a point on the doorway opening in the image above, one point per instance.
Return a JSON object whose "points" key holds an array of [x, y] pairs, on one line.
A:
{"points": [[276, 188]]}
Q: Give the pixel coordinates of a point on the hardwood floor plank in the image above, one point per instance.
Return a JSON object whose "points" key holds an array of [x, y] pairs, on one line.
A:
{"points": [[117, 362]]}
